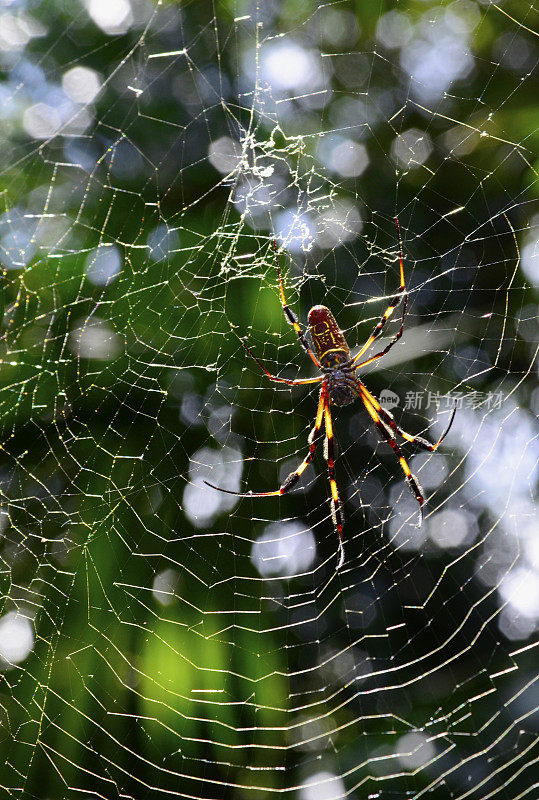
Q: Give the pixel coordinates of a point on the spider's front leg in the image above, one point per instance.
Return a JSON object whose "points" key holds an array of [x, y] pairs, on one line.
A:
{"points": [[336, 509], [389, 420], [294, 477], [412, 481]]}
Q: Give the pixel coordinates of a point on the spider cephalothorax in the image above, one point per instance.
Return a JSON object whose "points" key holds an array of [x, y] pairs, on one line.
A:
{"points": [[341, 386]]}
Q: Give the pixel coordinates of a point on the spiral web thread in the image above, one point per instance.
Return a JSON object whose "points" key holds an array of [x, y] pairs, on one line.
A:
{"points": [[159, 638]]}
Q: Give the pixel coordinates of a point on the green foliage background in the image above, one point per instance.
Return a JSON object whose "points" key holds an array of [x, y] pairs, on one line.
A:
{"points": [[124, 697]]}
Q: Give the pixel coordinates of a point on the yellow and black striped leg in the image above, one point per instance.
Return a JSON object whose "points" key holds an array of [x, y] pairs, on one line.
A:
{"points": [[412, 481], [336, 509], [291, 317], [389, 420], [388, 347], [294, 477], [276, 379], [401, 293]]}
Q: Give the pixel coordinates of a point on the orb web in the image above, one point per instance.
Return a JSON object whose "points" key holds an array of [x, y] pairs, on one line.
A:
{"points": [[158, 637]]}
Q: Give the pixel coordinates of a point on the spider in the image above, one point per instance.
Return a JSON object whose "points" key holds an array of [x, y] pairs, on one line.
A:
{"points": [[341, 386]]}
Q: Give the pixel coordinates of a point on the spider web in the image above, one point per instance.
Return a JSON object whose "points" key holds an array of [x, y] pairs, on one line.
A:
{"points": [[157, 637]]}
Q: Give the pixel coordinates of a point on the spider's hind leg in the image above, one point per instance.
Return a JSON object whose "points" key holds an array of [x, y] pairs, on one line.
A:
{"points": [[401, 294], [291, 318]]}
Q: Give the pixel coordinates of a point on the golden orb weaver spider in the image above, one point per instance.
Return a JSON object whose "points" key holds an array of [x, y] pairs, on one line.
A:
{"points": [[341, 386]]}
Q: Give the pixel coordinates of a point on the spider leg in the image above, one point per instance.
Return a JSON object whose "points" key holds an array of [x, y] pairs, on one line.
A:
{"points": [[389, 420], [294, 477], [401, 293], [336, 509], [412, 481], [290, 316], [388, 347], [299, 382]]}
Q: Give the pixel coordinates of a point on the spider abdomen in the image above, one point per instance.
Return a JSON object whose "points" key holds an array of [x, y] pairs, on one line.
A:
{"points": [[328, 340]]}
